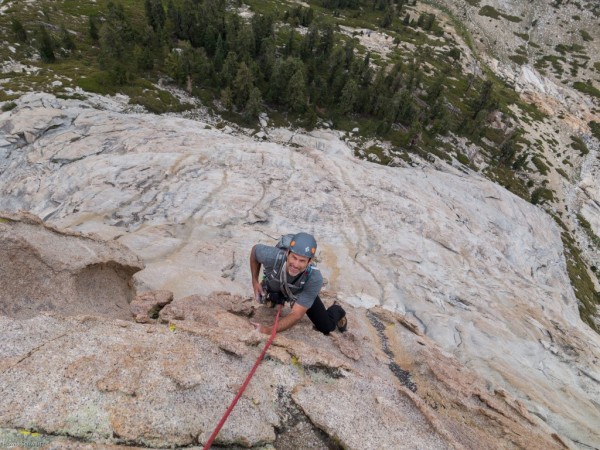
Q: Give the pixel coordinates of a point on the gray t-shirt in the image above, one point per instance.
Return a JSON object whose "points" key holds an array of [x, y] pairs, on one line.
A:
{"points": [[305, 293]]}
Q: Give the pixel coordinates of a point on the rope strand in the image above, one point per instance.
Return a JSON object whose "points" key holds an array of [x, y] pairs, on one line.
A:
{"points": [[244, 385]]}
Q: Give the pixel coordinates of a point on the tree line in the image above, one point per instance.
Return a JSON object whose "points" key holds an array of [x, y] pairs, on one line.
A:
{"points": [[295, 62]]}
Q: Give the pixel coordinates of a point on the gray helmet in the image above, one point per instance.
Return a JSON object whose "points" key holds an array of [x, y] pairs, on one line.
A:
{"points": [[304, 244]]}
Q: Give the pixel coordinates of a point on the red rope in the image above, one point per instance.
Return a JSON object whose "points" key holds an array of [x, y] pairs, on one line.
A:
{"points": [[246, 381]]}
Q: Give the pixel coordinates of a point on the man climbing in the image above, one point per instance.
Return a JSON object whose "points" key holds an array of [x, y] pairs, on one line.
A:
{"points": [[288, 275]]}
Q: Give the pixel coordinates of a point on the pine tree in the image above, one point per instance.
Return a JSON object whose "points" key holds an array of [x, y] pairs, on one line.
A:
{"points": [[262, 28], [388, 17], [220, 54], [66, 40], [18, 30], [254, 105], [485, 100], [242, 85], [349, 96], [296, 92], [174, 16], [327, 40], [93, 29], [429, 21], [45, 45], [117, 41], [289, 46], [155, 14], [267, 57], [229, 70], [245, 45], [227, 98], [349, 52], [144, 58]]}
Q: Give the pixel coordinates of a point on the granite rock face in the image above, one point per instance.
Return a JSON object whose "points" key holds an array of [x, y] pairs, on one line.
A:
{"points": [[108, 381], [45, 269], [473, 269]]}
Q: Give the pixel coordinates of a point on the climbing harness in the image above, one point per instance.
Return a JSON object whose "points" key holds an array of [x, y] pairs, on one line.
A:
{"points": [[244, 385]]}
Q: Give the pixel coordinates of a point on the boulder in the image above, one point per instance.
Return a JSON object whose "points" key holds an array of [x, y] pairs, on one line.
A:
{"points": [[146, 306], [45, 269]]}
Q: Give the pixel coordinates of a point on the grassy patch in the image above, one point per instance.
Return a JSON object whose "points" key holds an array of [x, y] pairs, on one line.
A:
{"points": [[155, 101], [99, 83], [506, 178], [376, 154], [587, 89], [581, 281], [587, 227]]}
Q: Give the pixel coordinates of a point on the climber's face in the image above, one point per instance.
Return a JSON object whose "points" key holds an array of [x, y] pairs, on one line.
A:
{"points": [[296, 264]]}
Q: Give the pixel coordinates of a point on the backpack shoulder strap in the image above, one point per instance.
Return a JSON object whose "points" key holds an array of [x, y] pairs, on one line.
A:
{"points": [[279, 260]]}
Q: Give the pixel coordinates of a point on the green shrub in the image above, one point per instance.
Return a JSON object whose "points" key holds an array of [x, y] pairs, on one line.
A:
{"points": [[595, 129], [518, 59], [9, 106], [578, 144], [541, 195], [583, 222], [573, 48], [489, 11], [462, 158], [511, 18], [18, 30], [586, 36], [539, 164]]}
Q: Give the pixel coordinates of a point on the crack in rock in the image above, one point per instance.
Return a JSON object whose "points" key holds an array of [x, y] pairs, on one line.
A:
{"points": [[403, 376], [296, 430]]}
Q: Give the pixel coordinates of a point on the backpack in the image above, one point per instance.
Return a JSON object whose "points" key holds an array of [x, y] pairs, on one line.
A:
{"points": [[284, 241]]}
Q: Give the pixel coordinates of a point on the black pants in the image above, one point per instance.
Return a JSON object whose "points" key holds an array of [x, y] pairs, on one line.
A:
{"points": [[325, 320]]}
